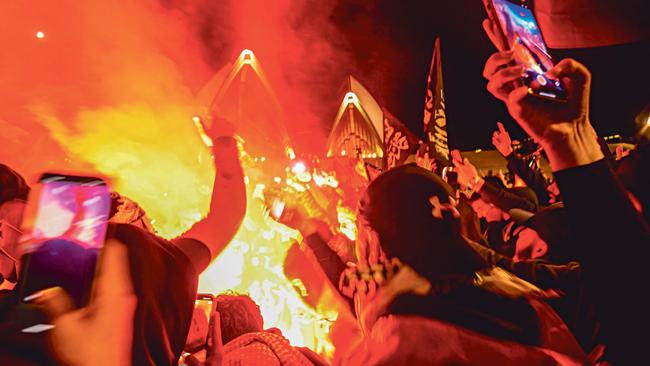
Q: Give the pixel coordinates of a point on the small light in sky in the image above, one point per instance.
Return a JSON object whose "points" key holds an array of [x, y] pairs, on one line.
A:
{"points": [[40, 35]]}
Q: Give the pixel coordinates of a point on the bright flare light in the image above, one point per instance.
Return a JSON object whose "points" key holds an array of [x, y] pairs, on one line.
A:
{"points": [[298, 168], [40, 35], [253, 263], [207, 141]]}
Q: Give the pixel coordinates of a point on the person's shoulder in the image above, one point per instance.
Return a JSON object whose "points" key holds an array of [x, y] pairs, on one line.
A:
{"points": [[195, 250], [132, 235], [142, 243], [180, 250]]}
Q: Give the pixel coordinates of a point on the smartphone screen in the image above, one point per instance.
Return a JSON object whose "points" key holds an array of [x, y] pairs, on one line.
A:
{"points": [[205, 302], [198, 334], [525, 39], [65, 227]]}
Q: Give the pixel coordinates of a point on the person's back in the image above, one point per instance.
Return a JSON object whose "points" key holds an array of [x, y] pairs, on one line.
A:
{"points": [[414, 219], [165, 281]]}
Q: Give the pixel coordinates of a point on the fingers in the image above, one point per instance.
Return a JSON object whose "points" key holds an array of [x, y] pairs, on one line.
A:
{"points": [[517, 96], [191, 360], [456, 158], [113, 275], [492, 31], [517, 108], [495, 62], [501, 128], [215, 342], [113, 300], [504, 80], [570, 68], [55, 301]]}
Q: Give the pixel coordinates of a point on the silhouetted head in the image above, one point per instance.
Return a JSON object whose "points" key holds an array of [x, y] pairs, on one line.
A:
{"points": [[416, 218], [239, 315]]}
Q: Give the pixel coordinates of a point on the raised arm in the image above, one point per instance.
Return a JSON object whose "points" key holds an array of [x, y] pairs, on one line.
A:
{"points": [[228, 202], [500, 197], [612, 238], [516, 164]]}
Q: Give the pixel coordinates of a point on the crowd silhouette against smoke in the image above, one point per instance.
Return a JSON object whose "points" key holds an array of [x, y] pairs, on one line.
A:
{"points": [[336, 182]]}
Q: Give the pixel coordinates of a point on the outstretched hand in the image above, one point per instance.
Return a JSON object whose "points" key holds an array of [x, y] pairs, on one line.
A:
{"points": [[467, 173], [502, 74], [563, 129], [295, 216], [501, 140], [214, 349]]}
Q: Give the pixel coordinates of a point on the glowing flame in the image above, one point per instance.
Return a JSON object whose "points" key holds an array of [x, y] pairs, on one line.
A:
{"points": [[253, 263], [207, 141], [347, 221], [290, 153], [298, 168]]}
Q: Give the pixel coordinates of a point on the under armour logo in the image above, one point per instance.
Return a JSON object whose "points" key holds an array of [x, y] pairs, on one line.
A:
{"points": [[438, 207]]}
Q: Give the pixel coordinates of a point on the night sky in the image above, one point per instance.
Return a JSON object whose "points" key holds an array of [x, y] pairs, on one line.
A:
{"points": [[392, 42]]}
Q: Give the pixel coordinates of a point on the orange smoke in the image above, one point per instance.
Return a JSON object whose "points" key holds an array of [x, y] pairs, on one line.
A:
{"points": [[101, 90], [111, 86]]}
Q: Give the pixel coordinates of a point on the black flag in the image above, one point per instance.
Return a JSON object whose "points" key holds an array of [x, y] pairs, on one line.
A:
{"points": [[435, 118], [399, 141]]}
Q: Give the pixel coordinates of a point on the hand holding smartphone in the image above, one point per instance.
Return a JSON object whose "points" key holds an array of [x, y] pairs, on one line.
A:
{"points": [[518, 30], [65, 228], [198, 336]]}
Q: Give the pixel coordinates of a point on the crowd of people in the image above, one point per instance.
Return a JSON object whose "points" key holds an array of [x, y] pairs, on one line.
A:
{"points": [[535, 270]]}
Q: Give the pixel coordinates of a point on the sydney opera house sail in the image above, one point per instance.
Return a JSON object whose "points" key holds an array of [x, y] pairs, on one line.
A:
{"points": [[358, 128], [242, 94]]}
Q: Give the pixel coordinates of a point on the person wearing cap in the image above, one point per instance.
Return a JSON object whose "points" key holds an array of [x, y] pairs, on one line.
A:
{"points": [[439, 288], [165, 271]]}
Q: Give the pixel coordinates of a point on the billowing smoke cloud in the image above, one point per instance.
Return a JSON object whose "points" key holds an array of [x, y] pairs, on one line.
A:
{"points": [[103, 78], [110, 85], [302, 52]]}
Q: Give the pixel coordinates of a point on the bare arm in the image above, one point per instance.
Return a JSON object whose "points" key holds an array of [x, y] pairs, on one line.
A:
{"points": [[228, 203]]}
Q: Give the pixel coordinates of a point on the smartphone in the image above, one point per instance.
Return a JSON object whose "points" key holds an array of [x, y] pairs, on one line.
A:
{"points": [[520, 32], [64, 230], [198, 334], [205, 302]]}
